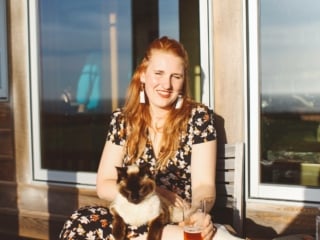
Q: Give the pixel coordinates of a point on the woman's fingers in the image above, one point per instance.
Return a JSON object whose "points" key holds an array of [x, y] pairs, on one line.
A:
{"points": [[209, 229], [181, 203]]}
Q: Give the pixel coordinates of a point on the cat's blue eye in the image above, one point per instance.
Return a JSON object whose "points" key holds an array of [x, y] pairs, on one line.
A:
{"points": [[144, 190]]}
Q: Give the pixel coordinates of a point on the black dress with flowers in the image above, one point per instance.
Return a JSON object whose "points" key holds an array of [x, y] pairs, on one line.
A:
{"points": [[94, 222]]}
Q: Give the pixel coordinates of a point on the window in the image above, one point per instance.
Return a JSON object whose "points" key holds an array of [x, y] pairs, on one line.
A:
{"points": [[284, 99], [82, 57], [3, 53]]}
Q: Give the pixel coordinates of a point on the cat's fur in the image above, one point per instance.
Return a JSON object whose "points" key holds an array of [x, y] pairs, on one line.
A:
{"points": [[137, 203]]}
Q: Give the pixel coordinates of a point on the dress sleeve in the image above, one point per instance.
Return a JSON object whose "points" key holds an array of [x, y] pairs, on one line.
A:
{"points": [[116, 133], [203, 125]]}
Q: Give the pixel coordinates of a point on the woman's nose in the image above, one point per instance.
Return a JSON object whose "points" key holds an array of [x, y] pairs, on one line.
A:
{"points": [[166, 81]]}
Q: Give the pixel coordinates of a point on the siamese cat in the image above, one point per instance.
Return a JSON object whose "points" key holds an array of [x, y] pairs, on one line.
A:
{"points": [[138, 203]]}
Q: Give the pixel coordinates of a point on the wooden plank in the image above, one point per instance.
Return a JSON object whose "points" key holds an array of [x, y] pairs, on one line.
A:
{"points": [[8, 195], [229, 185], [5, 116], [42, 210], [48, 199], [225, 163], [9, 222], [238, 215], [7, 169], [224, 202], [6, 142], [224, 189], [225, 176], [226, 151], [40, 225]]}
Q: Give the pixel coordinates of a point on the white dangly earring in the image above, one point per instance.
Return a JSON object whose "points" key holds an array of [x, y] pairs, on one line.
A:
{"points": [[142, 94], [179, 102]]}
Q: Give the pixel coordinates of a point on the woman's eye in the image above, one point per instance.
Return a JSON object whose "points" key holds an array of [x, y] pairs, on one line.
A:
{"points": [[178, 77]]}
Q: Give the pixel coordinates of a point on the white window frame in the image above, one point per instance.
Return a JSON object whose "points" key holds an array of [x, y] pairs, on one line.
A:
{"points": [[256, 189], [3, 53], [206, 51], [87, 178]]}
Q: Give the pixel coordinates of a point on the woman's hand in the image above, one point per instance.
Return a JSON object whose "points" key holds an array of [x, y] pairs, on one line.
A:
{"points": [[204, 220], [209, 230]]}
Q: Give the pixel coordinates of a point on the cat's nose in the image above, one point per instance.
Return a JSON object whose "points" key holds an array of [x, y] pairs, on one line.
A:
{"points": [[135, 198], [135, 201]]}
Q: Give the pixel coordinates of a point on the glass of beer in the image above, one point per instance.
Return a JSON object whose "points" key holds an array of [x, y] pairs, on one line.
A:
{"points": [[193, 223]]}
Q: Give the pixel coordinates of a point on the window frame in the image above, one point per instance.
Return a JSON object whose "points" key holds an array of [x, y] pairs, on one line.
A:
{"points": [[3, 53], [206, 51], [87, 178], [256, 189]]}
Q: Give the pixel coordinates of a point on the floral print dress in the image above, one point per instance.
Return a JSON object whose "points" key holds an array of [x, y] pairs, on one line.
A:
{"points": [[95, 222]]}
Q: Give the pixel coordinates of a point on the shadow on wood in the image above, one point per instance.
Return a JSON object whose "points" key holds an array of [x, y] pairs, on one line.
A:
{"points": [[229, 206]]}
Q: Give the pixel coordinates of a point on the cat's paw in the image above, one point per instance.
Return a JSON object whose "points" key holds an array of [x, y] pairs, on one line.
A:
{"points": [[118, 235], [154, 235], [118, 228]]}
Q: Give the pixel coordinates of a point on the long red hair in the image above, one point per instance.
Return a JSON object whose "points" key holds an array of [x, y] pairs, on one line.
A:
{"points": [[137, 115]]}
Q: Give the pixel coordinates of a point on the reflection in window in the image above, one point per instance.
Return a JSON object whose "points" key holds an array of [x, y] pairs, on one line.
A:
{"points": [[80, 53], [88, 50], [290, 92]]}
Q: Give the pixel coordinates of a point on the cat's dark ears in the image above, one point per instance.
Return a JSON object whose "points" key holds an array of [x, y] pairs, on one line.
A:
{"points": [[122, 173], [145, 170]]}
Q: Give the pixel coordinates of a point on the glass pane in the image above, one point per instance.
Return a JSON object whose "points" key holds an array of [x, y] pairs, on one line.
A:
{"points": [[88, 50], [81, 49], [290, 91]]}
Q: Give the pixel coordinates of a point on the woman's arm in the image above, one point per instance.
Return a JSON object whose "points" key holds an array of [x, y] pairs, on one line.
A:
{"points": [[203, 173], [112, 156]]}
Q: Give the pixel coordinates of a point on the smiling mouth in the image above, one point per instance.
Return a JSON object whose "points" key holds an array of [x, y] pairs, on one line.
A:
{"points": [[164, 94]]}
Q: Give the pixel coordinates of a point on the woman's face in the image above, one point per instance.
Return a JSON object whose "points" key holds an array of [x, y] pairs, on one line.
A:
{"points": [[163, 79]]}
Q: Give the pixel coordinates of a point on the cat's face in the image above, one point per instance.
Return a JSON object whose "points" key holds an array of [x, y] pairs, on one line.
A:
{"points": [[135, 183]]}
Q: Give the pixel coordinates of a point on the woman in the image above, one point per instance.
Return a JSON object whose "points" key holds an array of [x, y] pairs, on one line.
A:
{"points": [[160, 125]]}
